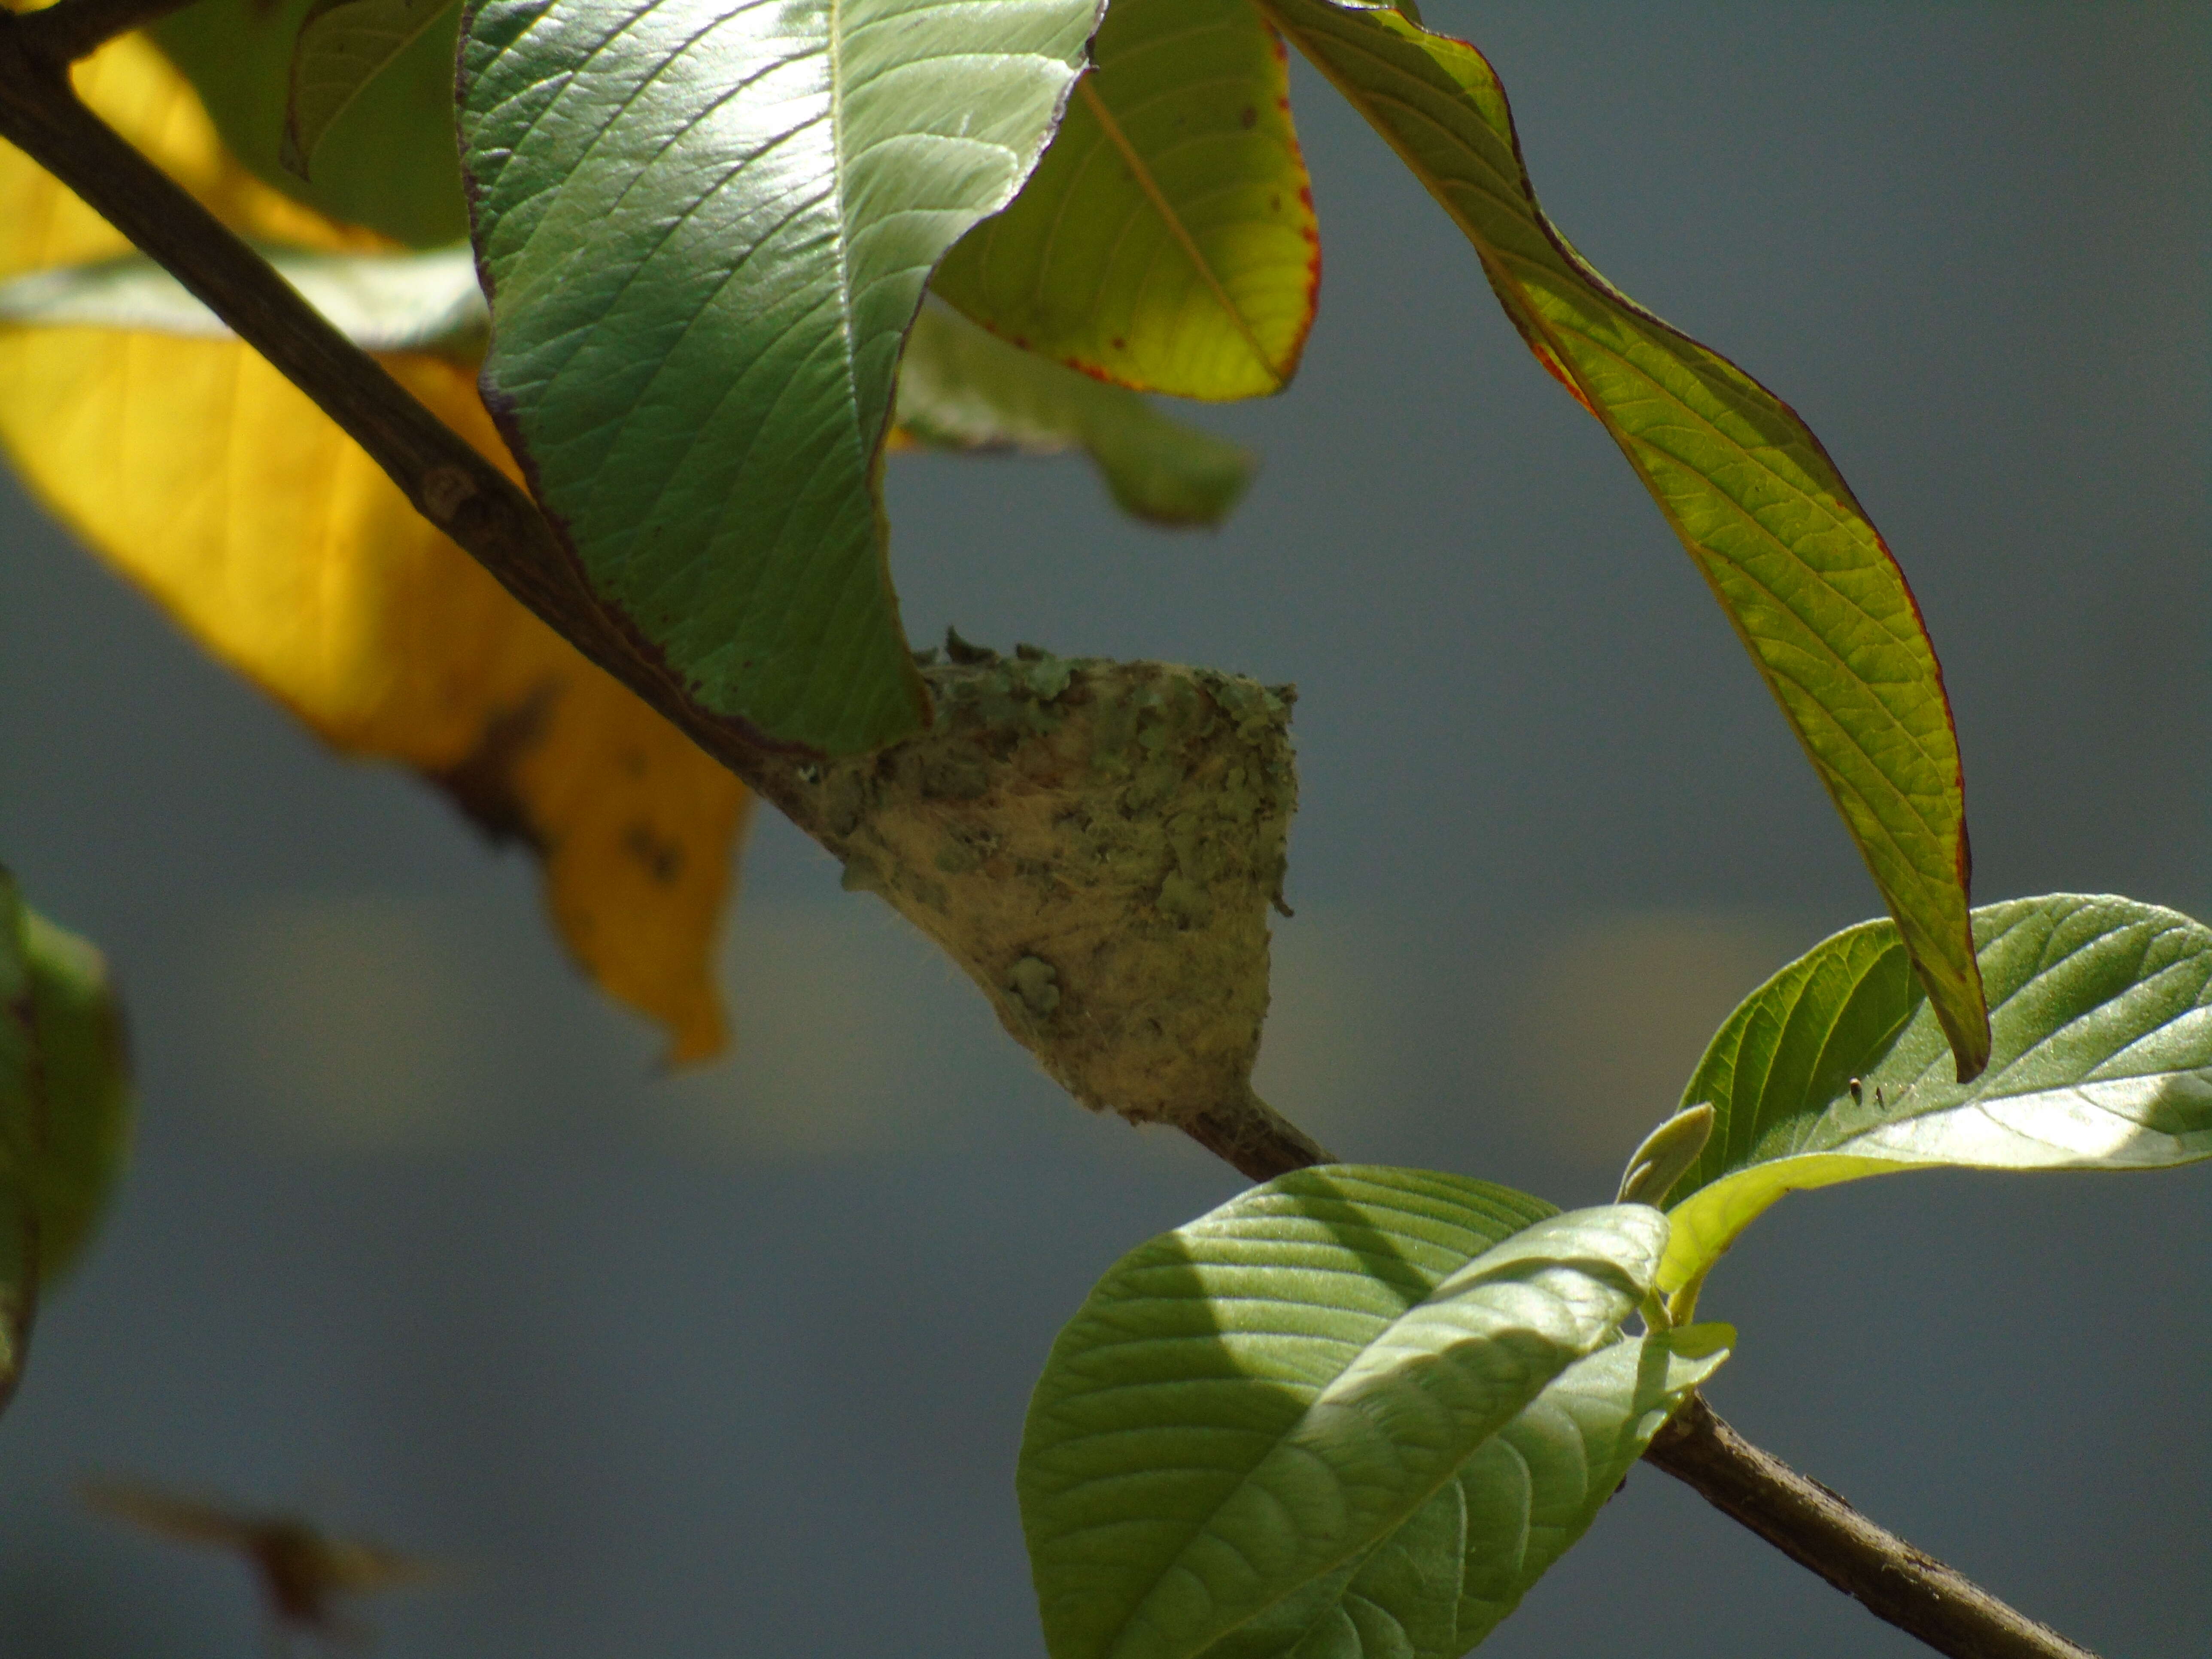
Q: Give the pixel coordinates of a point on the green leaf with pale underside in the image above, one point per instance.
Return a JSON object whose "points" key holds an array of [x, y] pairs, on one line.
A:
{"points": [[1167, 242], [706, 228], [1251, 1402], [344, 44], [2100, 1010], [958, 389], [961, 389], [1808, 582], [379, 301], [1453, 1572]]}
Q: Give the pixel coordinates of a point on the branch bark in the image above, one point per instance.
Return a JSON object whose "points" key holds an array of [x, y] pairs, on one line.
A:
{"points": [[1818, 1530], [477, 505]]}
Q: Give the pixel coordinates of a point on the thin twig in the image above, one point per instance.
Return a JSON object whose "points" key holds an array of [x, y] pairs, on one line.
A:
{"points": [[1254, 1140], [474, 503], [1816, 1529], [62, 34]]}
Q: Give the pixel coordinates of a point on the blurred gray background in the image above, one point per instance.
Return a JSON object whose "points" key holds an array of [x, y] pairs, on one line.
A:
{"points": [[735, 1362]]}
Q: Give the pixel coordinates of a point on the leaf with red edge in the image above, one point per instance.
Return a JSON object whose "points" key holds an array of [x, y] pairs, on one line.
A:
{"points": [[1808, 582], [1167, 240]]}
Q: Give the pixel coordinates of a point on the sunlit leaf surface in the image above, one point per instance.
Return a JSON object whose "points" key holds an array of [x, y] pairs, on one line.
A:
{"points": [[1167, 241], [1255, 1401], [2100, 1010], [1803, 575], [701, 280], [199, 472]]}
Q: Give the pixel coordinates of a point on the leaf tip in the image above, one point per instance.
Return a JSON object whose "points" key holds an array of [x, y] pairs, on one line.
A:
{"points": [[1969, 1038], [700, 1036]]}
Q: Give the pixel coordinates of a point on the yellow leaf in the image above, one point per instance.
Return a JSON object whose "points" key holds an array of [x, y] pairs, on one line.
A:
{"points": [[202, 474]]}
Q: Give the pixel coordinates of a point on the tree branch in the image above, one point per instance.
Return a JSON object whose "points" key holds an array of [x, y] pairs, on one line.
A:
{"points": [[1816, 1529], [476, 504], [1182, 1057]]}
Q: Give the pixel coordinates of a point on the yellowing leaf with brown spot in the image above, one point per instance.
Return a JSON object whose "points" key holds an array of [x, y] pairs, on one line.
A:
{"points": [[202, 474]]}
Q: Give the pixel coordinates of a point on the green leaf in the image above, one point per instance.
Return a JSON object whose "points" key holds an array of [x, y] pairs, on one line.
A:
{"points": [[1454, 1571], [1168, 241], [381, 301], [343, 46], [700, 284], [1810, 586], [1667, 1153], [65, 1110], [960, 389], [390, 161], [22, 1107], [1252, 1402], [2101, 1020], [85, 1084]]}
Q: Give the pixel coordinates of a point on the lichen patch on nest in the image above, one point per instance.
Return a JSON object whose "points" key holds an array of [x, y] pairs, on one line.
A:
{"points": [[1098, 844]]}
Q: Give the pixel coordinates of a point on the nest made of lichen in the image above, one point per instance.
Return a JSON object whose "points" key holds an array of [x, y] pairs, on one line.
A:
{"points": [[1098, 845]]}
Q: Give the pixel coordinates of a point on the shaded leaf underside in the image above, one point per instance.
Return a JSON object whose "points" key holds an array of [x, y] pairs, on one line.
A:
{"points": [[1455, 1570], [959, 388], [343, 47], [382, 302], [387, 160]]}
